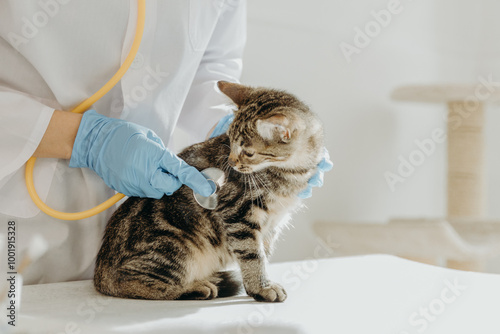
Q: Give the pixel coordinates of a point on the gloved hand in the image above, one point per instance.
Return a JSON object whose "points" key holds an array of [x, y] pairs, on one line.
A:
{"points": [[222, 126], [316, 181], [132, 159]]}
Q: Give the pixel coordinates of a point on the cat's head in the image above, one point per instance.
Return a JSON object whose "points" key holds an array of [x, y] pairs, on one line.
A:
{"points": [[271, 128]]}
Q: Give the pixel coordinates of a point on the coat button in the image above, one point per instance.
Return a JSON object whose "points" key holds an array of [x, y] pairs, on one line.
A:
{"points": [[138, 61]]}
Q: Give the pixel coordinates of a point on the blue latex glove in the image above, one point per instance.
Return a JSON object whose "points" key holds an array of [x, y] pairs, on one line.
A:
{"points": [[316, 181], [222, 126], [132, 159]]}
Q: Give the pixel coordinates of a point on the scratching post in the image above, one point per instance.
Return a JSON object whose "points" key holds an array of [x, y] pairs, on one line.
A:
{"points": [[466, 186], [463, 239], [466, 176]]}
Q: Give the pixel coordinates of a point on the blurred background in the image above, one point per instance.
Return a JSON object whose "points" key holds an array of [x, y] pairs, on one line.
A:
{"points": [[315, 50]]}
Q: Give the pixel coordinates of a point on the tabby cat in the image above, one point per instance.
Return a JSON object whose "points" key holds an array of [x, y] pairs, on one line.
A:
{"points": [[172, 248]]}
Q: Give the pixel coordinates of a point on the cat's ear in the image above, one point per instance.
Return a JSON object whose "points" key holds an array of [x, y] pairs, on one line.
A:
{"points": [[276, 127], [234, 91]]}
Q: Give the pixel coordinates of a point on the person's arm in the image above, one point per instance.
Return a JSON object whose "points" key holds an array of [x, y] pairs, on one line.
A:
{"points": [[129, 158], [23, 122], [58, 139]]}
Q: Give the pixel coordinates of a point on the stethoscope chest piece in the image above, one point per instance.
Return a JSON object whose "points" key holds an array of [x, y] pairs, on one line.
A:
{"points": [[216, 177]]}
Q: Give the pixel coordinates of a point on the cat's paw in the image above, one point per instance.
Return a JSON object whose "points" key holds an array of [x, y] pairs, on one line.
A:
{"points": [[201, 290], [273, 292]]}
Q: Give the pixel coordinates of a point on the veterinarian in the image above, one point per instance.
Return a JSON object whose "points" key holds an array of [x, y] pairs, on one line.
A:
{"points": [[55, 54]]}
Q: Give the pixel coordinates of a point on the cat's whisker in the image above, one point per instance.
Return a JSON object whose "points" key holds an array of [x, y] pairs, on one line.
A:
{"points": [[219, 158], [222, 157], [245, 183], [250, 182], [259, 196], [248, 177], [257, 188], [266, 188], [259, 179], [226, 168], [269, 190]]}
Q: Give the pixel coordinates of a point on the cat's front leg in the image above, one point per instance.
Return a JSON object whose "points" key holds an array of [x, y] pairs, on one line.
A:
{"points": [[245, 240]]}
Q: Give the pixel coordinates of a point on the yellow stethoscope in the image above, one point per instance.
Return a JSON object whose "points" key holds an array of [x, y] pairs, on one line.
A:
{"points": [[139, 30]]}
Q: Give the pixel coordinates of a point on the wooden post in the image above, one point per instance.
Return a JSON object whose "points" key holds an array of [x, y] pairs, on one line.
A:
{"points": [[466, 182], [466, 186]]}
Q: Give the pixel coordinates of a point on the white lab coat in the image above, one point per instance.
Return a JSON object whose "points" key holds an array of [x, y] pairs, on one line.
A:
{"points": [[56, 53]]}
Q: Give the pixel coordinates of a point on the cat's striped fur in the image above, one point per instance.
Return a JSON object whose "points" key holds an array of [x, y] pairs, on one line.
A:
{"points": [[172, 248]]}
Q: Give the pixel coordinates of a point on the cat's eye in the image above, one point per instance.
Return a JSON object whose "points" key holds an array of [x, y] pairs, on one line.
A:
{"points": [[248, 154]]}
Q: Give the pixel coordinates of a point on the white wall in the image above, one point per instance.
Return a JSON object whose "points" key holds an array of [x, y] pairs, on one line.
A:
{"points": [[295, 45]]}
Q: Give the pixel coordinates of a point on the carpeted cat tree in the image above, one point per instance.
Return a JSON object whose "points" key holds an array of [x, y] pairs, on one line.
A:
{"points": [[463, 239], [465, 125]]}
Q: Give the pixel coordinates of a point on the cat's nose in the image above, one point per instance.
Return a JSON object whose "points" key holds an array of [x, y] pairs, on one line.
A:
{"points": [[232, 160]]}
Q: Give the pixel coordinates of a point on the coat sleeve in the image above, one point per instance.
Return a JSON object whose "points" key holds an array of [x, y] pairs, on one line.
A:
{"points": [[222, 60], [24, 120]]}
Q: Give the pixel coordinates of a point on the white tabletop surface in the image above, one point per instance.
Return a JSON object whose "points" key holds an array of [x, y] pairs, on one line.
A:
{"points": [[365, 294]]}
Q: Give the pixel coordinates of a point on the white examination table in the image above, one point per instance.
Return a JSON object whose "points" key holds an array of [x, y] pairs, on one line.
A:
{"points": [[367, 294]]}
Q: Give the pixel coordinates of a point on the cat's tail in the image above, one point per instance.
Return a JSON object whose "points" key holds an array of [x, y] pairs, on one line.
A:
{"points": [[228, 282]]}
